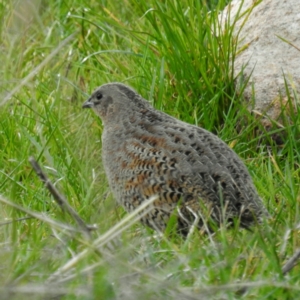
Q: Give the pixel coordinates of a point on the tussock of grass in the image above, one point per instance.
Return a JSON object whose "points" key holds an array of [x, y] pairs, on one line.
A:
{"points": [[172, 53]]}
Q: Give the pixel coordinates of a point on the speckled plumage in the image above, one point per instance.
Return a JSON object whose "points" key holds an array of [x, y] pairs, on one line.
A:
{"points": [[146, 152]]}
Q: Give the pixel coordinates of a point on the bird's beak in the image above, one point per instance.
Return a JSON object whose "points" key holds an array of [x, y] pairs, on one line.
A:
{"points": [[88, 103]]}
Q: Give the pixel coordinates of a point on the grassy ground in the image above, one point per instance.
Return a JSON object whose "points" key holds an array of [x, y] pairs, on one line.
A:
{"points": [[53, 54]]}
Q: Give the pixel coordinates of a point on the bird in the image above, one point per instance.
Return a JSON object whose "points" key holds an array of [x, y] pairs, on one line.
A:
{"points": [[191, 172]]}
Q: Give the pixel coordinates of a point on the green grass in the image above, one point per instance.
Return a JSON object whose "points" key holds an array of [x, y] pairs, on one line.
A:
{"points": [[171, 53]]}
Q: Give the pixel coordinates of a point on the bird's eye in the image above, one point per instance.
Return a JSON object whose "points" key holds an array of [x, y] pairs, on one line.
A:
{"points": [[98, 96]]}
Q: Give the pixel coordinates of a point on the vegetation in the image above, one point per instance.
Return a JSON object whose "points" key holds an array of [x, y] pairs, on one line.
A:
{"points": [[53, 54]]}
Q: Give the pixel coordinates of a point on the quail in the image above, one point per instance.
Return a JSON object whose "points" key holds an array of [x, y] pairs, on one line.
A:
{"points": [[191, 172]]}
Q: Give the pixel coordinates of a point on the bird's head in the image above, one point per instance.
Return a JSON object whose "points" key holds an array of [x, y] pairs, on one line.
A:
{"points": [[114, 99]]}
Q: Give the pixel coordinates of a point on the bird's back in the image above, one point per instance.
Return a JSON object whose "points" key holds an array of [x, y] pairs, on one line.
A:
{"points": [[189, 169]]}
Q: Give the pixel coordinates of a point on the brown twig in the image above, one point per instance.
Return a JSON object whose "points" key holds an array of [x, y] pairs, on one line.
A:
{"points": [[291, 263], [38, 216], [60, 200]]}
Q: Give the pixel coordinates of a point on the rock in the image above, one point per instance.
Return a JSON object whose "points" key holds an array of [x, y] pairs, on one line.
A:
{"points": [[268, 53]]}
